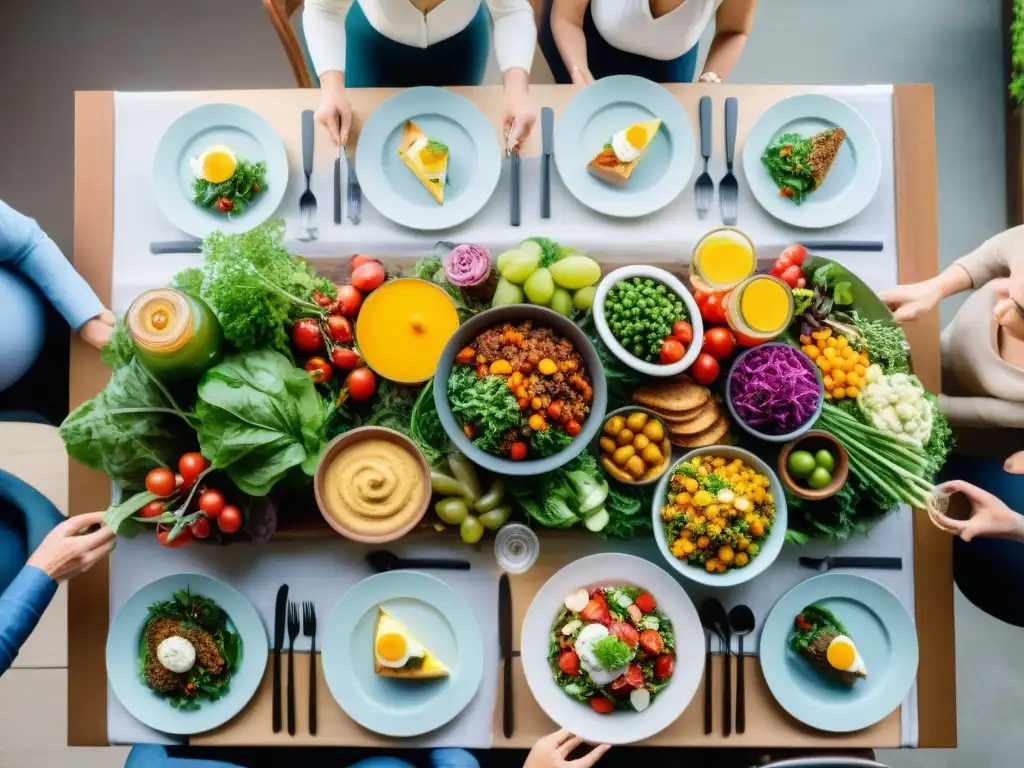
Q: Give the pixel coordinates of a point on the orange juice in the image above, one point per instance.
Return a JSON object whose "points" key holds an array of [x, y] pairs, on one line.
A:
{"points": [[760, 307], [403, 327], [723, 258]]}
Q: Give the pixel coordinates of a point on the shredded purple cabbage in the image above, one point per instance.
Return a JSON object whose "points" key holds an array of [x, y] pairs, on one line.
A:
{"points": [[775, 389]]}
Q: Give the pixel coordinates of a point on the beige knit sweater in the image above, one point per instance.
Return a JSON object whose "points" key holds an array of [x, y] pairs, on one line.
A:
{"points": [[981, 381]]}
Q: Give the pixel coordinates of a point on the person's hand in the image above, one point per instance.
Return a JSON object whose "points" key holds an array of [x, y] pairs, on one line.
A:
{"points": [[64, 553], [334, 112], [98, 330], [908, 302], [553, 751], [1007, 311], [518, 116], [989, 515]]}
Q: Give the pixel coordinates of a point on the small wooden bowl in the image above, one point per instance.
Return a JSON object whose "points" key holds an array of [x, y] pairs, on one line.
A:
{"points": [[665, 447], [346, 440], [813, 441]]}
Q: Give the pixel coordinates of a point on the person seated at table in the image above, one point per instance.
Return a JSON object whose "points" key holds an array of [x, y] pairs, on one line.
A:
{"points": [[63, 554], [983, 347], [404, 43], [551, 751], [656, 39], [26, 251]]}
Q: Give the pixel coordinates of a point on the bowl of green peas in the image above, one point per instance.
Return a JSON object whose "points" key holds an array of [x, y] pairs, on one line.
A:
{"points": [[636, 309]]}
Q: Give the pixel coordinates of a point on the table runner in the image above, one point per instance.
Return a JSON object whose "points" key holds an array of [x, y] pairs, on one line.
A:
{"points": [[666, 237]]}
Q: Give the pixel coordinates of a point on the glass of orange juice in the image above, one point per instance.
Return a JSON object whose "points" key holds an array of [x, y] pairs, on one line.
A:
{"points": [[760, 307], [722, 259]]}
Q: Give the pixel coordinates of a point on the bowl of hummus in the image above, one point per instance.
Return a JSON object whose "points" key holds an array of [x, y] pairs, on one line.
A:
{"points": [[372, 485]]}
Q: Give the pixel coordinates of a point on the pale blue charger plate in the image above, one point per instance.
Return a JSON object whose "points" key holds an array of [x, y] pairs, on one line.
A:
{"points": [[151, 708], [438, 617], [853, 179], [884, 635], [474, 159], [248, 135], [603, 109]]}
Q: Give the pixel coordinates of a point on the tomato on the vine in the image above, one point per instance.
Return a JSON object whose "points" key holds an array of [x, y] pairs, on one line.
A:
{"points": [[153, 509], [160, 481], [319, 370], [719, 342], [306, 335], [163, 531], [191, 466], [340, 329], [211, 502], [704, 369], [201, 528], [349, 300], [345, 358], [230, 519], [361, 384]]}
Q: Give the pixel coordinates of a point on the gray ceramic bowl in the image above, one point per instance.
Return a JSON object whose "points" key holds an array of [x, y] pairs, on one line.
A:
{"points": [[541, 317], [769, 438]]}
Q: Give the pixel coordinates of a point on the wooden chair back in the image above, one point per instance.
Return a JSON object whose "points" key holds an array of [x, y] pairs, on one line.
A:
{"points": [[281, 12]]}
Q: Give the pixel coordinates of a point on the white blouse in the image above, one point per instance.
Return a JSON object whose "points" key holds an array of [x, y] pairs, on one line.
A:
{"points": [[629, 26], [515, 32]]}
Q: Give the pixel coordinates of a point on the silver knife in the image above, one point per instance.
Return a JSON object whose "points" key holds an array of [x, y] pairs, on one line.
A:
{"points": [[547, 131], [176, 246], [280, 609], [828, 563], [355, 192], [337, 187]]}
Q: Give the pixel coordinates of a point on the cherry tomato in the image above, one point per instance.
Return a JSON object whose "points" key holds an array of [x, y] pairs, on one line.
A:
{"points": [[645, 602], [791, 275], [620, 686], [518, 451], [700, 297], [358, 259], [368, 276], [306, 335], [747, 341], [664, 666], [602, 704], [794, 254], [778, 268], [650, 641], [704, 369], [672, 351], [211, 502], [573, 427], [349, 300], [719, 342], [340, 329], [361, 384], [160, 481], [596, 610], [230, 519], [319, 370], [201, 528], [224, 205], [635, 675], [713, 310], [153, 509], [569, 663], [683, 331], [323, 301], [163, 531], [625, 632], [191, 465], [345, 358]]}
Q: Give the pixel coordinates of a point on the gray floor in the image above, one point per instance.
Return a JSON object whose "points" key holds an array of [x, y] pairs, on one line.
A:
{"points": [[50, 48]]}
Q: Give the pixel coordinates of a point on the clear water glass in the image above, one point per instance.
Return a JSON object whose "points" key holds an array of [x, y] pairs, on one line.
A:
{"points": [[516, 548]]}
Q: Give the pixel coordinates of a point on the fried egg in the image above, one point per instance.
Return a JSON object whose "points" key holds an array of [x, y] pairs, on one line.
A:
{"points": [[394, 646], [842, 654], [176, 654], [216, 164], [629, 143], [430, 158], [585, 650]]}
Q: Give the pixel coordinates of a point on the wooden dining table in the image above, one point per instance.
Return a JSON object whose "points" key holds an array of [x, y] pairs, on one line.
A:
{"points": [[917, 248]]}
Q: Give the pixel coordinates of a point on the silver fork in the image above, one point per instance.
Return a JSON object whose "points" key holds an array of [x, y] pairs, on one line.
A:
{"points": [[729, 188], [704, 189], [307, 203], [293, 632], [309, 630]]}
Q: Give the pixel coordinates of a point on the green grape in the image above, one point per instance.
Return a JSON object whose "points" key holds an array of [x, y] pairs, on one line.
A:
{"points": [[471, 530], [539, 287], [452, 510], [520, 267], [584, 298], [561, 302], [506, 293], [497, 517], [574, 272]]}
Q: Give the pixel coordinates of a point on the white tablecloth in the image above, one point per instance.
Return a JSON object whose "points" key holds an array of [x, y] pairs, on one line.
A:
{"points": [[322, 570]]}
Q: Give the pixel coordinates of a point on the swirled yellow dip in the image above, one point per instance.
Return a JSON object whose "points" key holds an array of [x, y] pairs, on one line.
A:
{"points": [[374, 487]]}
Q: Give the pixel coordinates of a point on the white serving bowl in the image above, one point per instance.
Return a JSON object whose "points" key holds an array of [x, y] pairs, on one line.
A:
{"points": [[613, 569], [671, 282], [770, 547]]}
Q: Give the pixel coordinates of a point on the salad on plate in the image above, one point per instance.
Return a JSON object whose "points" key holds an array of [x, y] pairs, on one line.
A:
{"points": [[612, 648]]}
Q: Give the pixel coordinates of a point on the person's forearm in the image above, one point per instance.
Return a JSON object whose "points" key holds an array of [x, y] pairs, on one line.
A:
{"points": [[21, 606], [950, 281], [572, 47], [516, 80], [725, 51], [1019, 535], [332, 80]]}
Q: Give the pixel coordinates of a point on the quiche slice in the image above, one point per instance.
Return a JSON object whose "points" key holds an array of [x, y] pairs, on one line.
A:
{"points": [[397, 653], [618, 158], [426, 158], [824, 148]]}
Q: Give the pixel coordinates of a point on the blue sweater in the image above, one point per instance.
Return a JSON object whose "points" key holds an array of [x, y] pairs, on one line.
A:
{"points": [[21, 605]]}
